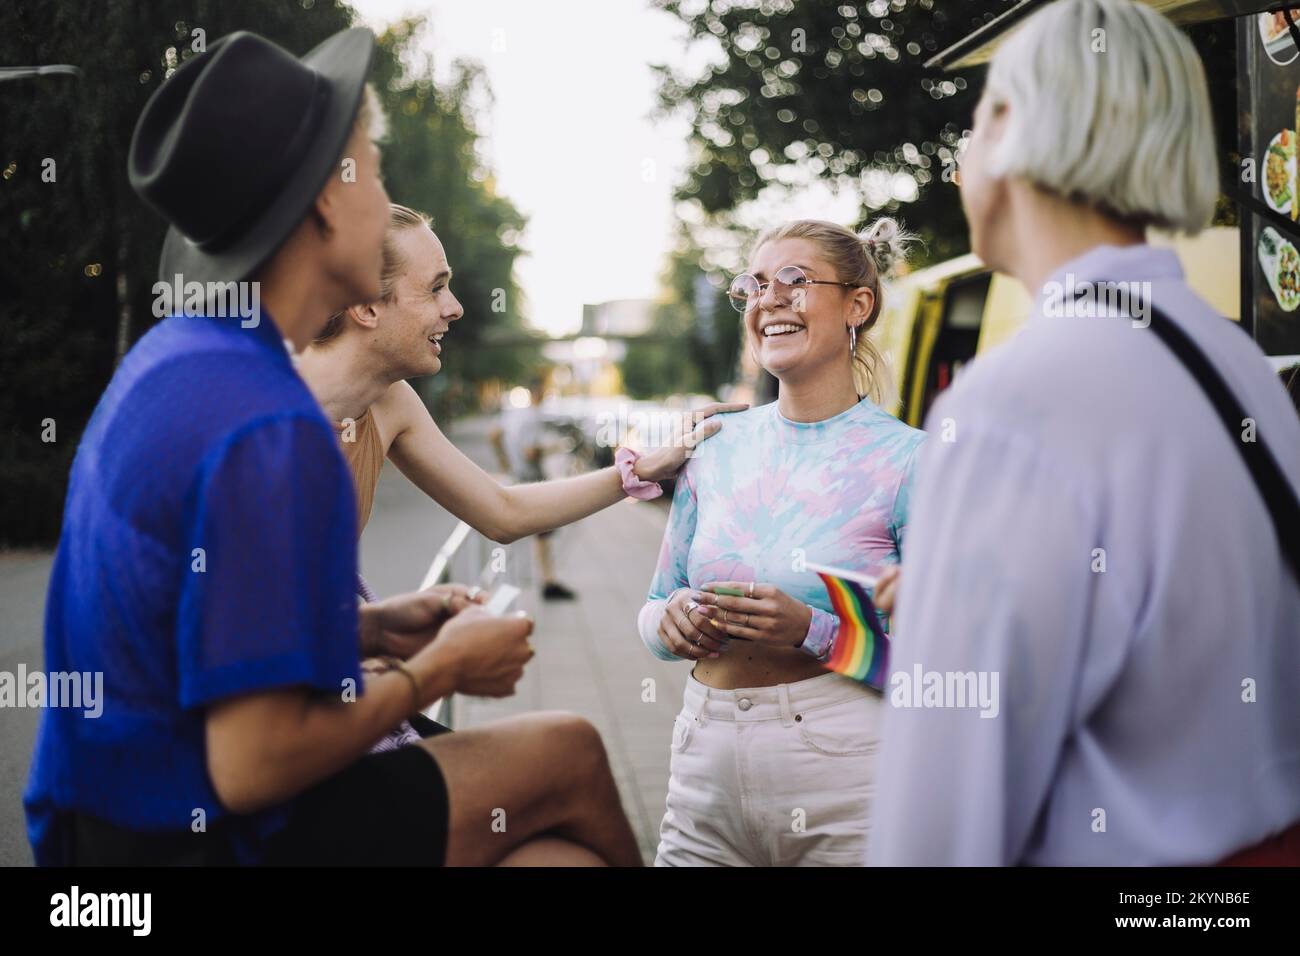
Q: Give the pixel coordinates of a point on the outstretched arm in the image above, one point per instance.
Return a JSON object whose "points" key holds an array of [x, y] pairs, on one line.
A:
{"points": [[505, 513]]}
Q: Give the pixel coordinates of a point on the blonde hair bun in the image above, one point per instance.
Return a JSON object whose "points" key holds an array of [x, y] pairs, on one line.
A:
{"points": [[886, 244]]}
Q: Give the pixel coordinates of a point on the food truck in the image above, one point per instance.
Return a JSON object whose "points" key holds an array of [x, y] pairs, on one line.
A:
{"points": [[937, 319]]}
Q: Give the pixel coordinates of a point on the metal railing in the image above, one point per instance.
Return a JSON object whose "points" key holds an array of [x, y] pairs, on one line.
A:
{"points": [[470, 558]]}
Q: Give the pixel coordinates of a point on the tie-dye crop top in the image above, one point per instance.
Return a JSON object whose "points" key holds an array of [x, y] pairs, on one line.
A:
{"points": [[765, 495]]}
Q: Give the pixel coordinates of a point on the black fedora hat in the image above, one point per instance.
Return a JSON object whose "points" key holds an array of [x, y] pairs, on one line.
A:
{"points": [[235, 147]]}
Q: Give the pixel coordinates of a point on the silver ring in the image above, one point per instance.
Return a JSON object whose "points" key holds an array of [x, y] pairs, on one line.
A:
{"points": [[474, 592], [690, 606], [751, 589]]}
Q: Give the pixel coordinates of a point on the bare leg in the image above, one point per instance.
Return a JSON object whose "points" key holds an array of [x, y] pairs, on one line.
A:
{"points": [[515, 779], [544, 564], [551, 851]]}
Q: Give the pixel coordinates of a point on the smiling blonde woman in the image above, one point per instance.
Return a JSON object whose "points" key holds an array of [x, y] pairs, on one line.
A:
{"points": [[773, 757]]}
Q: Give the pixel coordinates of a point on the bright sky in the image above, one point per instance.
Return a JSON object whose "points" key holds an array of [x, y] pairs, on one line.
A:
{"points": [[570, 137]]}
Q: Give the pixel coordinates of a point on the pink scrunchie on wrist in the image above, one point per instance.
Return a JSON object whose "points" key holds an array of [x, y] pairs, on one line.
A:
{"points": [[624, 459]]}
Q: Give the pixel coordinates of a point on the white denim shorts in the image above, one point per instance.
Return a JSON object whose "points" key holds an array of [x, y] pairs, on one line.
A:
{"points": [[772, 776]]}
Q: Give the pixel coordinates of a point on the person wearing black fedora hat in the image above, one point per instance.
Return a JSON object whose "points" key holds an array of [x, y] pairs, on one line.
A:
{"points": [[207, 559], [256, 159]]}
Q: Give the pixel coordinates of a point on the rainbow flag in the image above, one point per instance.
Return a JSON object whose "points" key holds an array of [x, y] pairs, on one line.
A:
{"points": [[861, 648]]}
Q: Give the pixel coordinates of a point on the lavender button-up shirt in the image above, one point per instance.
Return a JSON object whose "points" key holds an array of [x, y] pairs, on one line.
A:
{"points": [[1097, 648]]}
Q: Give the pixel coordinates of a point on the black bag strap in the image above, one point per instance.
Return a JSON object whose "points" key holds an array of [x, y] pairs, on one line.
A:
{"points": [[1279, 496]]}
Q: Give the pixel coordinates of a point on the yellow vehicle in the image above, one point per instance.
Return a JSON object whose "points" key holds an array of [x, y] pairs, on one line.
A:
{"points": [[937, 319]]}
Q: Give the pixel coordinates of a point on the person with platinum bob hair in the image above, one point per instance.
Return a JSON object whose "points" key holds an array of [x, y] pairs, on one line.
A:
{"points": [[1095, 535], [1122, 124]]}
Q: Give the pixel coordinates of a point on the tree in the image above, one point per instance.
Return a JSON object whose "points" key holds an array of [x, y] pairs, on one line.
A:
{"points": [[829, 91], [81, 251], [75, 283]]}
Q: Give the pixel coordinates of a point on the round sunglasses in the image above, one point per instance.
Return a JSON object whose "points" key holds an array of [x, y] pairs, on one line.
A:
{"points": [[745, 290]]}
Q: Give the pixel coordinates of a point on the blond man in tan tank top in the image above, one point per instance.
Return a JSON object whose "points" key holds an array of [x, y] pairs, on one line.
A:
{"points": [[358, 367]]}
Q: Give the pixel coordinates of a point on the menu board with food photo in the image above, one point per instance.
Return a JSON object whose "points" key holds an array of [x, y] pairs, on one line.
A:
{"points": [[1279, 171], [1281, 266], [1275, 33], [1269, 71]]}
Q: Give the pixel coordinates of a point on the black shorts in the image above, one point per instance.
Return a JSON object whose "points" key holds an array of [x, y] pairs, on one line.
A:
{"points": [[386, 809]]}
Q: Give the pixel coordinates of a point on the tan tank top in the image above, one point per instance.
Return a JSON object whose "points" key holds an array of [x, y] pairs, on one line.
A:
{"points": [[365, 456]]}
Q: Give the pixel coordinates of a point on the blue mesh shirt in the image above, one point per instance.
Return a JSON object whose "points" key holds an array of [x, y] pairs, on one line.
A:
{"points": [[208, 550]]}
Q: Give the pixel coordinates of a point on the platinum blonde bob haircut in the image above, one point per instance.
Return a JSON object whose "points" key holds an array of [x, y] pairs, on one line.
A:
{"points": [[1108, 105]]}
